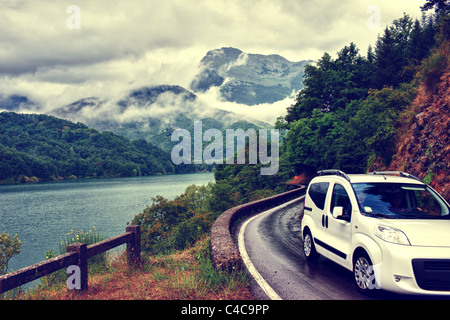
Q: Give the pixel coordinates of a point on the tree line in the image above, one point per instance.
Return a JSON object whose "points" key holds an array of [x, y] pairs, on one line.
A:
{"points": [[348, 112], [41, 147]]}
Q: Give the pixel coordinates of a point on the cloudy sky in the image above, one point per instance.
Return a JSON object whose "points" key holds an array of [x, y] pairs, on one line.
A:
{"points": [[56, 52]]}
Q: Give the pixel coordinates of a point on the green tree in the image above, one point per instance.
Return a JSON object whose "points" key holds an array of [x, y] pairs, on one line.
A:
{"points": [[333, 84], [440, 6], [8, 249], [311, 142], [389, 60]]}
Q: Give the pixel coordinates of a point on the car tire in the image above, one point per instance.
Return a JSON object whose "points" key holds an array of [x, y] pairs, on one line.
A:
{"points": [[364, 274], [309, 248]]}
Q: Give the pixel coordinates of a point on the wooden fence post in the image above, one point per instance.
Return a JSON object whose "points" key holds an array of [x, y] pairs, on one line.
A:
{"points": [[81, 250], [134, 246]]}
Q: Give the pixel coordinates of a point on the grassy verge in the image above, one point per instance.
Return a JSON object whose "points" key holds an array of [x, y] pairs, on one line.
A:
{"points": [[186, 274]]}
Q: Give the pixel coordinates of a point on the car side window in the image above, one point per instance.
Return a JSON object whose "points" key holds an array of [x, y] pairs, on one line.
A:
{"points": [[340, 198], [318, 193]]}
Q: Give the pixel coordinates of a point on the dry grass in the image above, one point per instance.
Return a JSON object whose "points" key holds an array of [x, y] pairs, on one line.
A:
{"points": [[179, 276]]}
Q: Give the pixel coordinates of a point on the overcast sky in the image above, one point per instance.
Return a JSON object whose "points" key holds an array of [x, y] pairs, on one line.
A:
{"points": [[126, 44]]}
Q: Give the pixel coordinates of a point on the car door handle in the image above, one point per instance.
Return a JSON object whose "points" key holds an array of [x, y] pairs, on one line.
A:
{"points": [[324, 221]]}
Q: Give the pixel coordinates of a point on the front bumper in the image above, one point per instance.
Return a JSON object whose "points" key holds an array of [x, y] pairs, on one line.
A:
{"points": [[414, 269]]}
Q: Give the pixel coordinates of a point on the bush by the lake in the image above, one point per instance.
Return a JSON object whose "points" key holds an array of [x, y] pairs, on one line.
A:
{"points": [[96, 263], [169, 225]]}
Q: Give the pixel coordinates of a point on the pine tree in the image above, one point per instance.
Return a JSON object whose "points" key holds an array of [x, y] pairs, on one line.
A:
{"points": [[388, 61], [440, 6]]}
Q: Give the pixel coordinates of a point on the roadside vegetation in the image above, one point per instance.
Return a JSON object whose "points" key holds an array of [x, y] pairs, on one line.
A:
{"points": [[186, 274]]}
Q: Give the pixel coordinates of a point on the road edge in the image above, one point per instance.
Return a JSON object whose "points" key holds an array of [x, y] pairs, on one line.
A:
{"points": [[224, 253], [262, 283]]}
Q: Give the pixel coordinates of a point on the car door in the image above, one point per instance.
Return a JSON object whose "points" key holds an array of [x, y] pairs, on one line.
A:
{"points": [[339, 229], [315, 208]]}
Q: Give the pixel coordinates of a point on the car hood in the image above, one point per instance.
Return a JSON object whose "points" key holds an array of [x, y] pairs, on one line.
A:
{"points": [[433, 233]]}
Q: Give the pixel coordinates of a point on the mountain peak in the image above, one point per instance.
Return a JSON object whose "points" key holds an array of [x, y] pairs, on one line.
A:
{"points": [[251, 78], [149, 95], [227, 52], [15, 102]]}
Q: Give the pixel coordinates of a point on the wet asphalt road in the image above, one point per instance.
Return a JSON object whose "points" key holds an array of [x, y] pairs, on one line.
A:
{"points": [[273, 243]]}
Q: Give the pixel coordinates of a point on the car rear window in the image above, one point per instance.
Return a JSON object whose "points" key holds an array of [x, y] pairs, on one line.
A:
{"points": [[317, 192]]}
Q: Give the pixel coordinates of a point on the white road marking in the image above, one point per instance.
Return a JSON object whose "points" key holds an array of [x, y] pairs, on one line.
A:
{"points": [[248, 263]]}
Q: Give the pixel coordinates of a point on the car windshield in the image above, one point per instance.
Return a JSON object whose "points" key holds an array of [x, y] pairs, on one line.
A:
{"points": [[400, 201]]}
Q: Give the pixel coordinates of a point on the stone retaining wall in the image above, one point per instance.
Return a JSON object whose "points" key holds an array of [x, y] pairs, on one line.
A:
{"points": [[224, 253]]}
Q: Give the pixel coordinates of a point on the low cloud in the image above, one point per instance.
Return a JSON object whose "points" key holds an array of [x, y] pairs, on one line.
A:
{"points": [[123, 45], [266, 112]]}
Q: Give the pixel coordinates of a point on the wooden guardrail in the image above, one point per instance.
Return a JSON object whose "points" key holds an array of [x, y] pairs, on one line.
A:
{"points": [[224, 253], [77, 254]]}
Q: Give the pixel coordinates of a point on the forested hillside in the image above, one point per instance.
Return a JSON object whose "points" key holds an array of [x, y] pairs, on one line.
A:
{"points": [[350, 110], [423, 139], [35, 146]]}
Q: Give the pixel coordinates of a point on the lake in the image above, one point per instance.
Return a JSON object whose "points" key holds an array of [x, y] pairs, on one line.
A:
{"points": [[43, 213]]}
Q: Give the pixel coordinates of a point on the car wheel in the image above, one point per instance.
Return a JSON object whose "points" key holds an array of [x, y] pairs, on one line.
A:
{"points": [[308, 247], [364, 274]]}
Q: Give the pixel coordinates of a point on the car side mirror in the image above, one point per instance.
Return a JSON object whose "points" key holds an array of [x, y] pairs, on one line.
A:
{"points": [[338, 212]]}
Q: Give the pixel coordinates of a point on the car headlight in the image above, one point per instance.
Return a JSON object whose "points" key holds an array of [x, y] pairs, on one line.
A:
{"points": [[392, 235]]}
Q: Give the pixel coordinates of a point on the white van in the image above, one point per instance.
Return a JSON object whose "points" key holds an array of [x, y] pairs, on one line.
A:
{"points": [[389, 228]]}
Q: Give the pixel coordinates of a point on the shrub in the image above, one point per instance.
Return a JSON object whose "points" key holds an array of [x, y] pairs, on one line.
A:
{"points": [[96, 263], [8, 249], [433, 68], [216, 279]]}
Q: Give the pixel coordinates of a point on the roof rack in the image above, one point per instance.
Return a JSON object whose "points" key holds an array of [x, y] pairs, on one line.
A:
{"points": [[400, 173], [333, 172]]}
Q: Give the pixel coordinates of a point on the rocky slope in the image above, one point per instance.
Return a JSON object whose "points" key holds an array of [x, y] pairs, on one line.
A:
{"points": [[423, 142]]}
